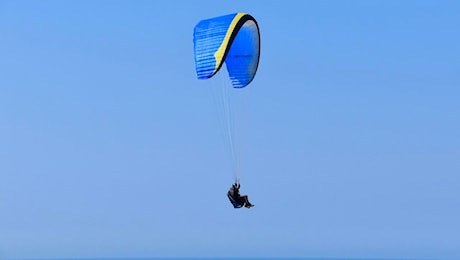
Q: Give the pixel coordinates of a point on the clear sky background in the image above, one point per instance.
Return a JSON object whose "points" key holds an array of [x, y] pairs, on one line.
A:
{"points": [[110, 146]]}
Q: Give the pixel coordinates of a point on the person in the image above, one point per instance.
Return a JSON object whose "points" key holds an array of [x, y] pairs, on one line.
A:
{"points": [[238, 200]]}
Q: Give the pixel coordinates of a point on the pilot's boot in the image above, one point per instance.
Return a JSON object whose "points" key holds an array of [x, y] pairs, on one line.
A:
{"points": [[249, 205]]}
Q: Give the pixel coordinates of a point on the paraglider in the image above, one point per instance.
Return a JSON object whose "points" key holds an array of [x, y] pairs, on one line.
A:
{"points": [[232, 41], [238, 200]]}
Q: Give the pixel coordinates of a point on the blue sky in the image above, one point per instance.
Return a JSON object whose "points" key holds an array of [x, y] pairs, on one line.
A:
{"points": [[110, 146]]}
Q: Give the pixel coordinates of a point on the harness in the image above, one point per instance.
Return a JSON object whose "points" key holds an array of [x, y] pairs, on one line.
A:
{"points": [[235, 203]]}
